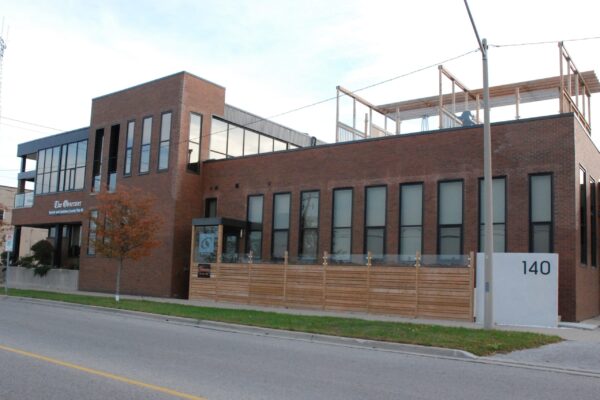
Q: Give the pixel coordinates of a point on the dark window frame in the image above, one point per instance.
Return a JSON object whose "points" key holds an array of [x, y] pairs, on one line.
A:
{"points": [[207, 201], [113, 156], [593, 223], [333, 228], [384, 227], [250, 230], [194, 166], [583, 216], [461, 225], [144, 145], [273, 230], [129, 149], [97, 155], [301, 229], [400, 225], [91, 250], [551, 223], [479, 212], [168, 141]]}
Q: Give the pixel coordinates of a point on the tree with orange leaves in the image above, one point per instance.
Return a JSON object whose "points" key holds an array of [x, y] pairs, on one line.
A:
{"points": [[125, 227]]}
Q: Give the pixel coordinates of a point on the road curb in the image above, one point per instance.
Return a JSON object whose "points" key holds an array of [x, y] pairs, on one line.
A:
{"points": [[270, 332]]}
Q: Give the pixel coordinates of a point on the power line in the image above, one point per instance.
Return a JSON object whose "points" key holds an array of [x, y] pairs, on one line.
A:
{"points": [[22, 127], [31, 123], [357, 90], [544, 42]]}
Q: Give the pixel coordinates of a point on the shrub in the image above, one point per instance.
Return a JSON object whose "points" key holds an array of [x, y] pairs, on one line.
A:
{"points": [[42, 252]]}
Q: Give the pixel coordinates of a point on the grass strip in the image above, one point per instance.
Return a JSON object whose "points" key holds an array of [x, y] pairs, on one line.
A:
{"points": [[477, 341]]}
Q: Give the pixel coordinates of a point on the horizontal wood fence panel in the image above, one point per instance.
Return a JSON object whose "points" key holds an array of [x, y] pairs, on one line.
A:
{"points": [[433, 292]]}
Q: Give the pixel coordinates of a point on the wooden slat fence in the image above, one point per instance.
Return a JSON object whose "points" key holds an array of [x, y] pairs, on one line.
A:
{"points": [[431, 292]]}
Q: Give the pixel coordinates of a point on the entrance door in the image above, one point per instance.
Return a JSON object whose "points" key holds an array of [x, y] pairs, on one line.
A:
{"points": [[230, 245]]}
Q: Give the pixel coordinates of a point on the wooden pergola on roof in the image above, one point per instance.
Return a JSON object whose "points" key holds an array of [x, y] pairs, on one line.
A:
{"points": [[502, 95]]}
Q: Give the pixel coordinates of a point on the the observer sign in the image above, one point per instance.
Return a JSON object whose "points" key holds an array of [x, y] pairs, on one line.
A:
{"points": [[66, 207]]}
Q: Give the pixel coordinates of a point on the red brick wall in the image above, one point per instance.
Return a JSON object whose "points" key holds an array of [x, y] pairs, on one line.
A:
{"points": [[520, 148], [587, 279]]}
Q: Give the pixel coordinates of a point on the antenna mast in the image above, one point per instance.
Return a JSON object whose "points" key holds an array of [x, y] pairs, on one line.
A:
{"points": [[2, 48]]}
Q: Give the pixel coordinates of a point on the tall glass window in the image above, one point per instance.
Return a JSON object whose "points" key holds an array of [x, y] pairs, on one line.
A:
{"points": [[61, 168], [165, 140], [255, 220], [231, 140], [194, 135], [450, 217], [375, 220], [218, 139], [92, 234], [583, 215], [113, 151], [499, 210], [411, 219], [341, 234], [129, 147], [593, 238], [540, 213], [309, 225], [97, 166], [146, 144], [250, 142], [281, 224]]}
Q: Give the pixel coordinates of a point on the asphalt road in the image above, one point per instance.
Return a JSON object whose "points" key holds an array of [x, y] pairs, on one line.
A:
{"points": [[51, 351]]}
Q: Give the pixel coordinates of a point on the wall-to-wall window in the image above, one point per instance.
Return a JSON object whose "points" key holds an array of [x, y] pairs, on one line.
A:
{"points": [[341, 233], [255, 220], [146, 144], [113, 152], [281, 224], [165, 140], [61, 168], [450, 217], [499, 214], [540, 213], [583, 215], [194, 135], [309, 225], [375, 220], [411, 220], [129, 148], [230, 140], [594, 237]]}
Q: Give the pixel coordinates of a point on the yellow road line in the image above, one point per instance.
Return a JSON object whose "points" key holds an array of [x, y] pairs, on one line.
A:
{"points": [[103, 374]]}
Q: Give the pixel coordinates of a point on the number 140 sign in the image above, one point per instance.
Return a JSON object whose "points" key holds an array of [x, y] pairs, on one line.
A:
{"points": [[543, 268]]}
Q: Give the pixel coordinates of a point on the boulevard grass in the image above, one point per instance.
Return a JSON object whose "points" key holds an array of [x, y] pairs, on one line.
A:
{"points": [[477, 341]]}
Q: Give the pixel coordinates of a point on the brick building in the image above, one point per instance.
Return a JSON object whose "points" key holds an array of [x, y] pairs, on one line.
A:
{"points": [[376, 190]]}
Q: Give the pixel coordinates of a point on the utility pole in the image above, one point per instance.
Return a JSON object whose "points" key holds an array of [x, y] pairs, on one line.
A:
{"points": [[488, 315]]}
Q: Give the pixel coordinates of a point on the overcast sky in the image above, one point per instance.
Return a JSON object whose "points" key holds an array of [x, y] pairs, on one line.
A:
{"points": [[272, 56]]}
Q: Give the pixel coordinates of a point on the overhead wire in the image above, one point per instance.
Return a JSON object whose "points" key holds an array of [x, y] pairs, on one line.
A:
{"points": [[544, 42]]}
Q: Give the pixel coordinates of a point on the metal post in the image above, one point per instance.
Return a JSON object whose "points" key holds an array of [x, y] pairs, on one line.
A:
{"points": [[488, 320], [488, 317], [6, 273]]}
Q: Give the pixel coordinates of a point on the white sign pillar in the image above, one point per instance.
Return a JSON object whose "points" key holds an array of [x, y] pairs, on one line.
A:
{"points": [[525, 289]]}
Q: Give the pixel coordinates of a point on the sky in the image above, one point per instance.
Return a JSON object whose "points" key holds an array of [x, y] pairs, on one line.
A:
{"points": [[272, 56]]}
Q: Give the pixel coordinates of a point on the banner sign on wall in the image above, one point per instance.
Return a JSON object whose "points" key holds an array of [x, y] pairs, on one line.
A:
{"points": [[66, 207], [525, 289]]}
